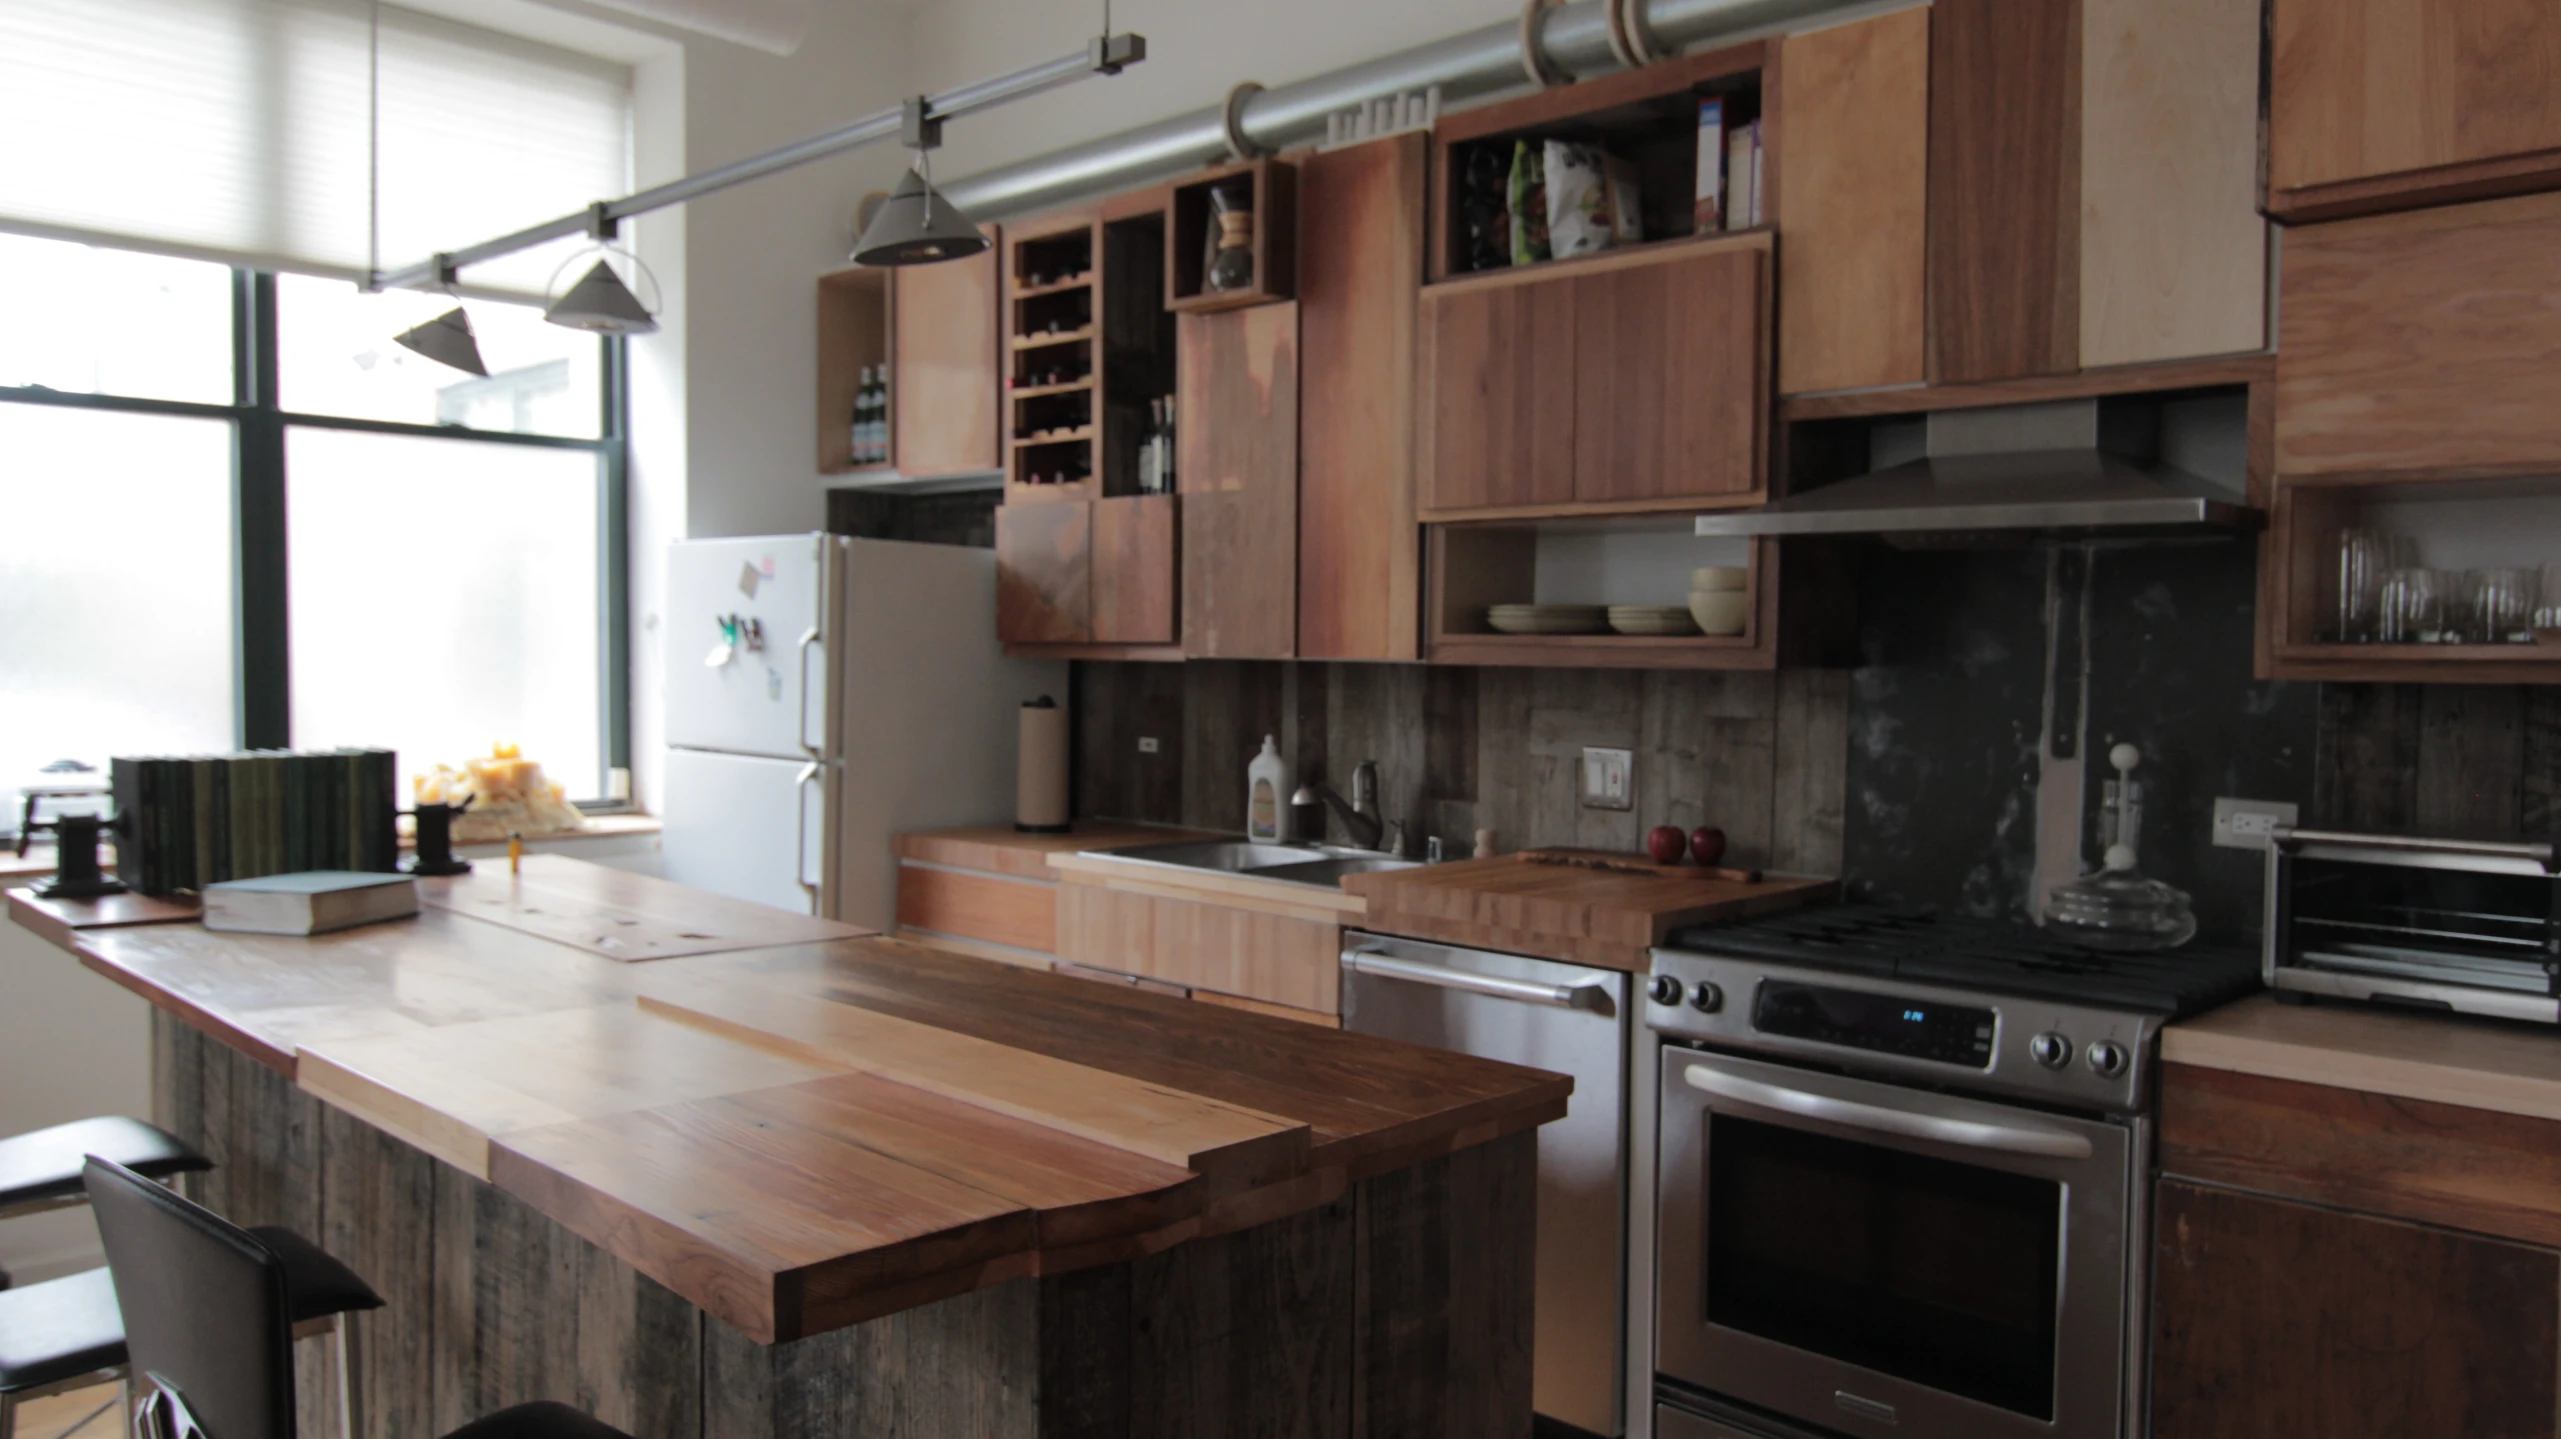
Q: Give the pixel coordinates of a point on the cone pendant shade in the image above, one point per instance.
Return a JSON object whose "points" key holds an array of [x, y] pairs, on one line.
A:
{"points": [[447, 340], [917, 227], [600, 302]]}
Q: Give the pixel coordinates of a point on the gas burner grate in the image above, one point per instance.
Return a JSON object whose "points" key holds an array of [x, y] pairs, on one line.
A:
{"points": [[1989, 955]]}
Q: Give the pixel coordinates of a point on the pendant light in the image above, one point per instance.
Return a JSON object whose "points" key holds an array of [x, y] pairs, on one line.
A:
{"points": [[447, 340], [600, 303], [916, 225]]}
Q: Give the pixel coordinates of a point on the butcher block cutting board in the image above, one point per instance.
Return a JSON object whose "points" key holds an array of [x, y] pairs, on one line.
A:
{"points": [[1605, 918]]}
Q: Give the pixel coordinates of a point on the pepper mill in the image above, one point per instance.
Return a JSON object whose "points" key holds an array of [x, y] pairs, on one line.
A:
{"points": [[75, 858], [436, 840]]}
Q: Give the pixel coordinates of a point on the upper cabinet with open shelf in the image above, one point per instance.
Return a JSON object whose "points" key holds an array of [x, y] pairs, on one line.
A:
{"points": [[1642, 132], [928, 336]]}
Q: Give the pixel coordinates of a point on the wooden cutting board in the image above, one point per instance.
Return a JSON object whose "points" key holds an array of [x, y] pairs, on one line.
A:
{"points": [[1580, 915]]}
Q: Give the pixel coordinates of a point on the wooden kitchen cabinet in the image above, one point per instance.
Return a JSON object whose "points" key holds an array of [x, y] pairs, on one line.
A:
{"points": [[2420, 344], [1670, 367], [2282, 1318], [2092, 191], [1855, 172], [2333, 1261], [2388, 104], [1360, 264], [1237, 469], [1044, 588], [1133, 567], [1623, 383], [932, 330], [1284, 951], [947, 366]]}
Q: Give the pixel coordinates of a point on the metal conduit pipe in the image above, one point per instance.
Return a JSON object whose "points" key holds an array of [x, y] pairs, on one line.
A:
{"points": [[1574, 37]]}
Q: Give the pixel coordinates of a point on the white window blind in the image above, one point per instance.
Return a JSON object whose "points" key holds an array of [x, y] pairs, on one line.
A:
{"points": [[236, 130]]}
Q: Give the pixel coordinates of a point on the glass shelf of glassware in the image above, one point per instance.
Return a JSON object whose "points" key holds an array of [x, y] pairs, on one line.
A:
{"points": [[2455, 580]]}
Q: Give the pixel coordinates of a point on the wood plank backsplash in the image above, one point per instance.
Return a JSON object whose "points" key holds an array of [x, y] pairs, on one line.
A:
{"points": [[1758, 755]]}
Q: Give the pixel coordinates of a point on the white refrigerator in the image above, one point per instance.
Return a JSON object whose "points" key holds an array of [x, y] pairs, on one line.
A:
{"points": [[824, 694]]}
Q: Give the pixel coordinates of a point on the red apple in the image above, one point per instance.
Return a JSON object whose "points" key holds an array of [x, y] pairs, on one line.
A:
{"points": [[1665, 844], [1707, 845]]}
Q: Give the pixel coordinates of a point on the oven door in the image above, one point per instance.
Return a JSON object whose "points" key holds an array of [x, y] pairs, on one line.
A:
{"points": [[1887, 1260]]}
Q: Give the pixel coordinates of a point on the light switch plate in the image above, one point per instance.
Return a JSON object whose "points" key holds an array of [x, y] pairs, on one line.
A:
{"points": [[1609, 779], [1147, 744], [2248, 823]]}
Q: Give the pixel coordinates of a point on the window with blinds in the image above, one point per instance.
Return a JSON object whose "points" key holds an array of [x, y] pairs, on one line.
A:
{"points": [[239, 130]]}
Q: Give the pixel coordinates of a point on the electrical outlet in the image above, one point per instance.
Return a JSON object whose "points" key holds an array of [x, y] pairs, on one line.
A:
{"points": [[1147, 744], [1609, 779], [2249, 823]]}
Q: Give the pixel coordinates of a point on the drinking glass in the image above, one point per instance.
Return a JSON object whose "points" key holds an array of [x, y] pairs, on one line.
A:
{"points": [[2363, 557], [2502, 606], [2547, 609], [2412, 607]]}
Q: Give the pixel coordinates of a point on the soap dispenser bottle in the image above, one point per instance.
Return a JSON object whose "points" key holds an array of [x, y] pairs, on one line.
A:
{"points": [[1267, 792]]}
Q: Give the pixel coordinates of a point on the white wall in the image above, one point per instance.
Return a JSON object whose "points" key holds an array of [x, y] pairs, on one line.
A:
{"points": [[72, 1045]]}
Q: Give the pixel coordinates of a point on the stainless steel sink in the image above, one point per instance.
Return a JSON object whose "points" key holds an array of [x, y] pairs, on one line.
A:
{"points": [[1235, 856], [1322, 866], [1329, 873]]}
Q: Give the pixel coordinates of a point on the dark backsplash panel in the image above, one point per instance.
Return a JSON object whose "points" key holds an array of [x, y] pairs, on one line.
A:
{"points": [[1914, 776], [966, 517], [1757, 755], [1950, 716]]}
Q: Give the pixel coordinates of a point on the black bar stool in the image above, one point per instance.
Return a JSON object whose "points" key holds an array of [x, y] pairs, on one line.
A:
{"points": [[40, 1170], [64, 1334], [209, 1318]]}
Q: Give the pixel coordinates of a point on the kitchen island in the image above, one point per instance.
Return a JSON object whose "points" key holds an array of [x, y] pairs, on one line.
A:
{"points": [[715, 1170]]}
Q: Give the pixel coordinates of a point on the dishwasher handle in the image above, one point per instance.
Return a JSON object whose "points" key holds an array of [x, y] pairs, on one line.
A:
{"points": [[1588, 996]]}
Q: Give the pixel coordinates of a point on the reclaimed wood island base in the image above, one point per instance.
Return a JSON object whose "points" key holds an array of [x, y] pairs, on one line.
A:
{"points": [[836, 1184]]}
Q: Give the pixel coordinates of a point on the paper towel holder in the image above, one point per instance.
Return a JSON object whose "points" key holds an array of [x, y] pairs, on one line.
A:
{"points": [[1040, 770]]}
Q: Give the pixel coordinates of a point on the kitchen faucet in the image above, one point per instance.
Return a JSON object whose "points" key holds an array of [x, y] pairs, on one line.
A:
{"points": [[1361, 816]]}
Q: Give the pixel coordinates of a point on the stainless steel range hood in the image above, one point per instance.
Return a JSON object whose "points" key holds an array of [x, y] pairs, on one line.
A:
{"points": [[2071, 469]]}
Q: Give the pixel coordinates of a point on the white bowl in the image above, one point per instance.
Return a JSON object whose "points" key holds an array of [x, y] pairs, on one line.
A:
{"points": [[1720, 612], [1717, 579]]}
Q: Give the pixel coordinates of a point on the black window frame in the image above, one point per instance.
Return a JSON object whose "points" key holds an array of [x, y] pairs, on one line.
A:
{"points": [[262, 661]]}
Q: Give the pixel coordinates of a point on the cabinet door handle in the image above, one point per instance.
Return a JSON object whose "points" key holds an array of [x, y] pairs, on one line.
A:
{"points": [[1560, 996], [800, 835]]}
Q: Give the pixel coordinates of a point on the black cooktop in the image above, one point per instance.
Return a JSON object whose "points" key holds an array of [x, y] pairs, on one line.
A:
{"points": [[1994, 956]]}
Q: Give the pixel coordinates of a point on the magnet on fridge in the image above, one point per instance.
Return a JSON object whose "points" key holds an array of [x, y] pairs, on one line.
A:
{"points": [[773, 683], [748, 578]]}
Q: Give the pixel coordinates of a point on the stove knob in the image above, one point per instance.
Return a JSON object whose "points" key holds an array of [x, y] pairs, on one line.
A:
{"points": [[2107, 1057], [1707, 998], [1665, 989], [2050, 1049]]}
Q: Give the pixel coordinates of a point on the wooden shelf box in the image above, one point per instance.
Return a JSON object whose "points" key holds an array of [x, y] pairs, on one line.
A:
{"points": [[1191, 226], [2455, 526], [853, 336], [1632, 561], [1648, 117]]}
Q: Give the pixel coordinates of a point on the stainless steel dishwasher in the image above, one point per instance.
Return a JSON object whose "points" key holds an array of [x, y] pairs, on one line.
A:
{"points": [[1568, 1020]]}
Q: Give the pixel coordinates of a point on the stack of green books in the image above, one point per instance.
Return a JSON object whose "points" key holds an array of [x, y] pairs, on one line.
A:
{"points": [[185, 822]]}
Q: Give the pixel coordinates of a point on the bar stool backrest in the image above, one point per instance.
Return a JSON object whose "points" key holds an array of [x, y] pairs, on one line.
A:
{"points": [[205, 1310]]}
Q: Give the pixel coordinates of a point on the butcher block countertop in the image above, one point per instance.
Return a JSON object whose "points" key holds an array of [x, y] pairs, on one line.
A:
{"points": [[1003, 849], [1603, 918], [2477, 1063], [795, 1125]]}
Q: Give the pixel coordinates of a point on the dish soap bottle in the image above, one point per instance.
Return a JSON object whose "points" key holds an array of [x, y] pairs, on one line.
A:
{"points": [[1267, 792]]}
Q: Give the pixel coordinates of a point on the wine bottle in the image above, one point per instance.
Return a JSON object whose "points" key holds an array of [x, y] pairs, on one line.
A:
{"points": [[858, 433]]}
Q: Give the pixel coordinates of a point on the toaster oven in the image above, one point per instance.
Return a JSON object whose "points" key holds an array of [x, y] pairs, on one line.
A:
{"points": [[2463, 925]]}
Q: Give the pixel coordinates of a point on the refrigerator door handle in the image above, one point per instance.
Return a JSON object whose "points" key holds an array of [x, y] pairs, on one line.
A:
{"points": [[800, 835], [808, 640]]}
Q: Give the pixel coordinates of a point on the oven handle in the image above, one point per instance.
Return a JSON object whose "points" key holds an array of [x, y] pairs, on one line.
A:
{"points": [[1561, 996], [1972, 1134]]}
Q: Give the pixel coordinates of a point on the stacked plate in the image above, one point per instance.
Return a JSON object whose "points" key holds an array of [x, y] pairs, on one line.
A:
{"points": [[1652, 620], [1548, 619]]}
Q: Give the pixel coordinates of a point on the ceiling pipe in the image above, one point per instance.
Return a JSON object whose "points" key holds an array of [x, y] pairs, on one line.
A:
{"points": [[1573, 37]]}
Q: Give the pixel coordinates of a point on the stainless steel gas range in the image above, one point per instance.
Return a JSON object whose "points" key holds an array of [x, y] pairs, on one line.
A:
{"points": [[1901, 1175]]}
